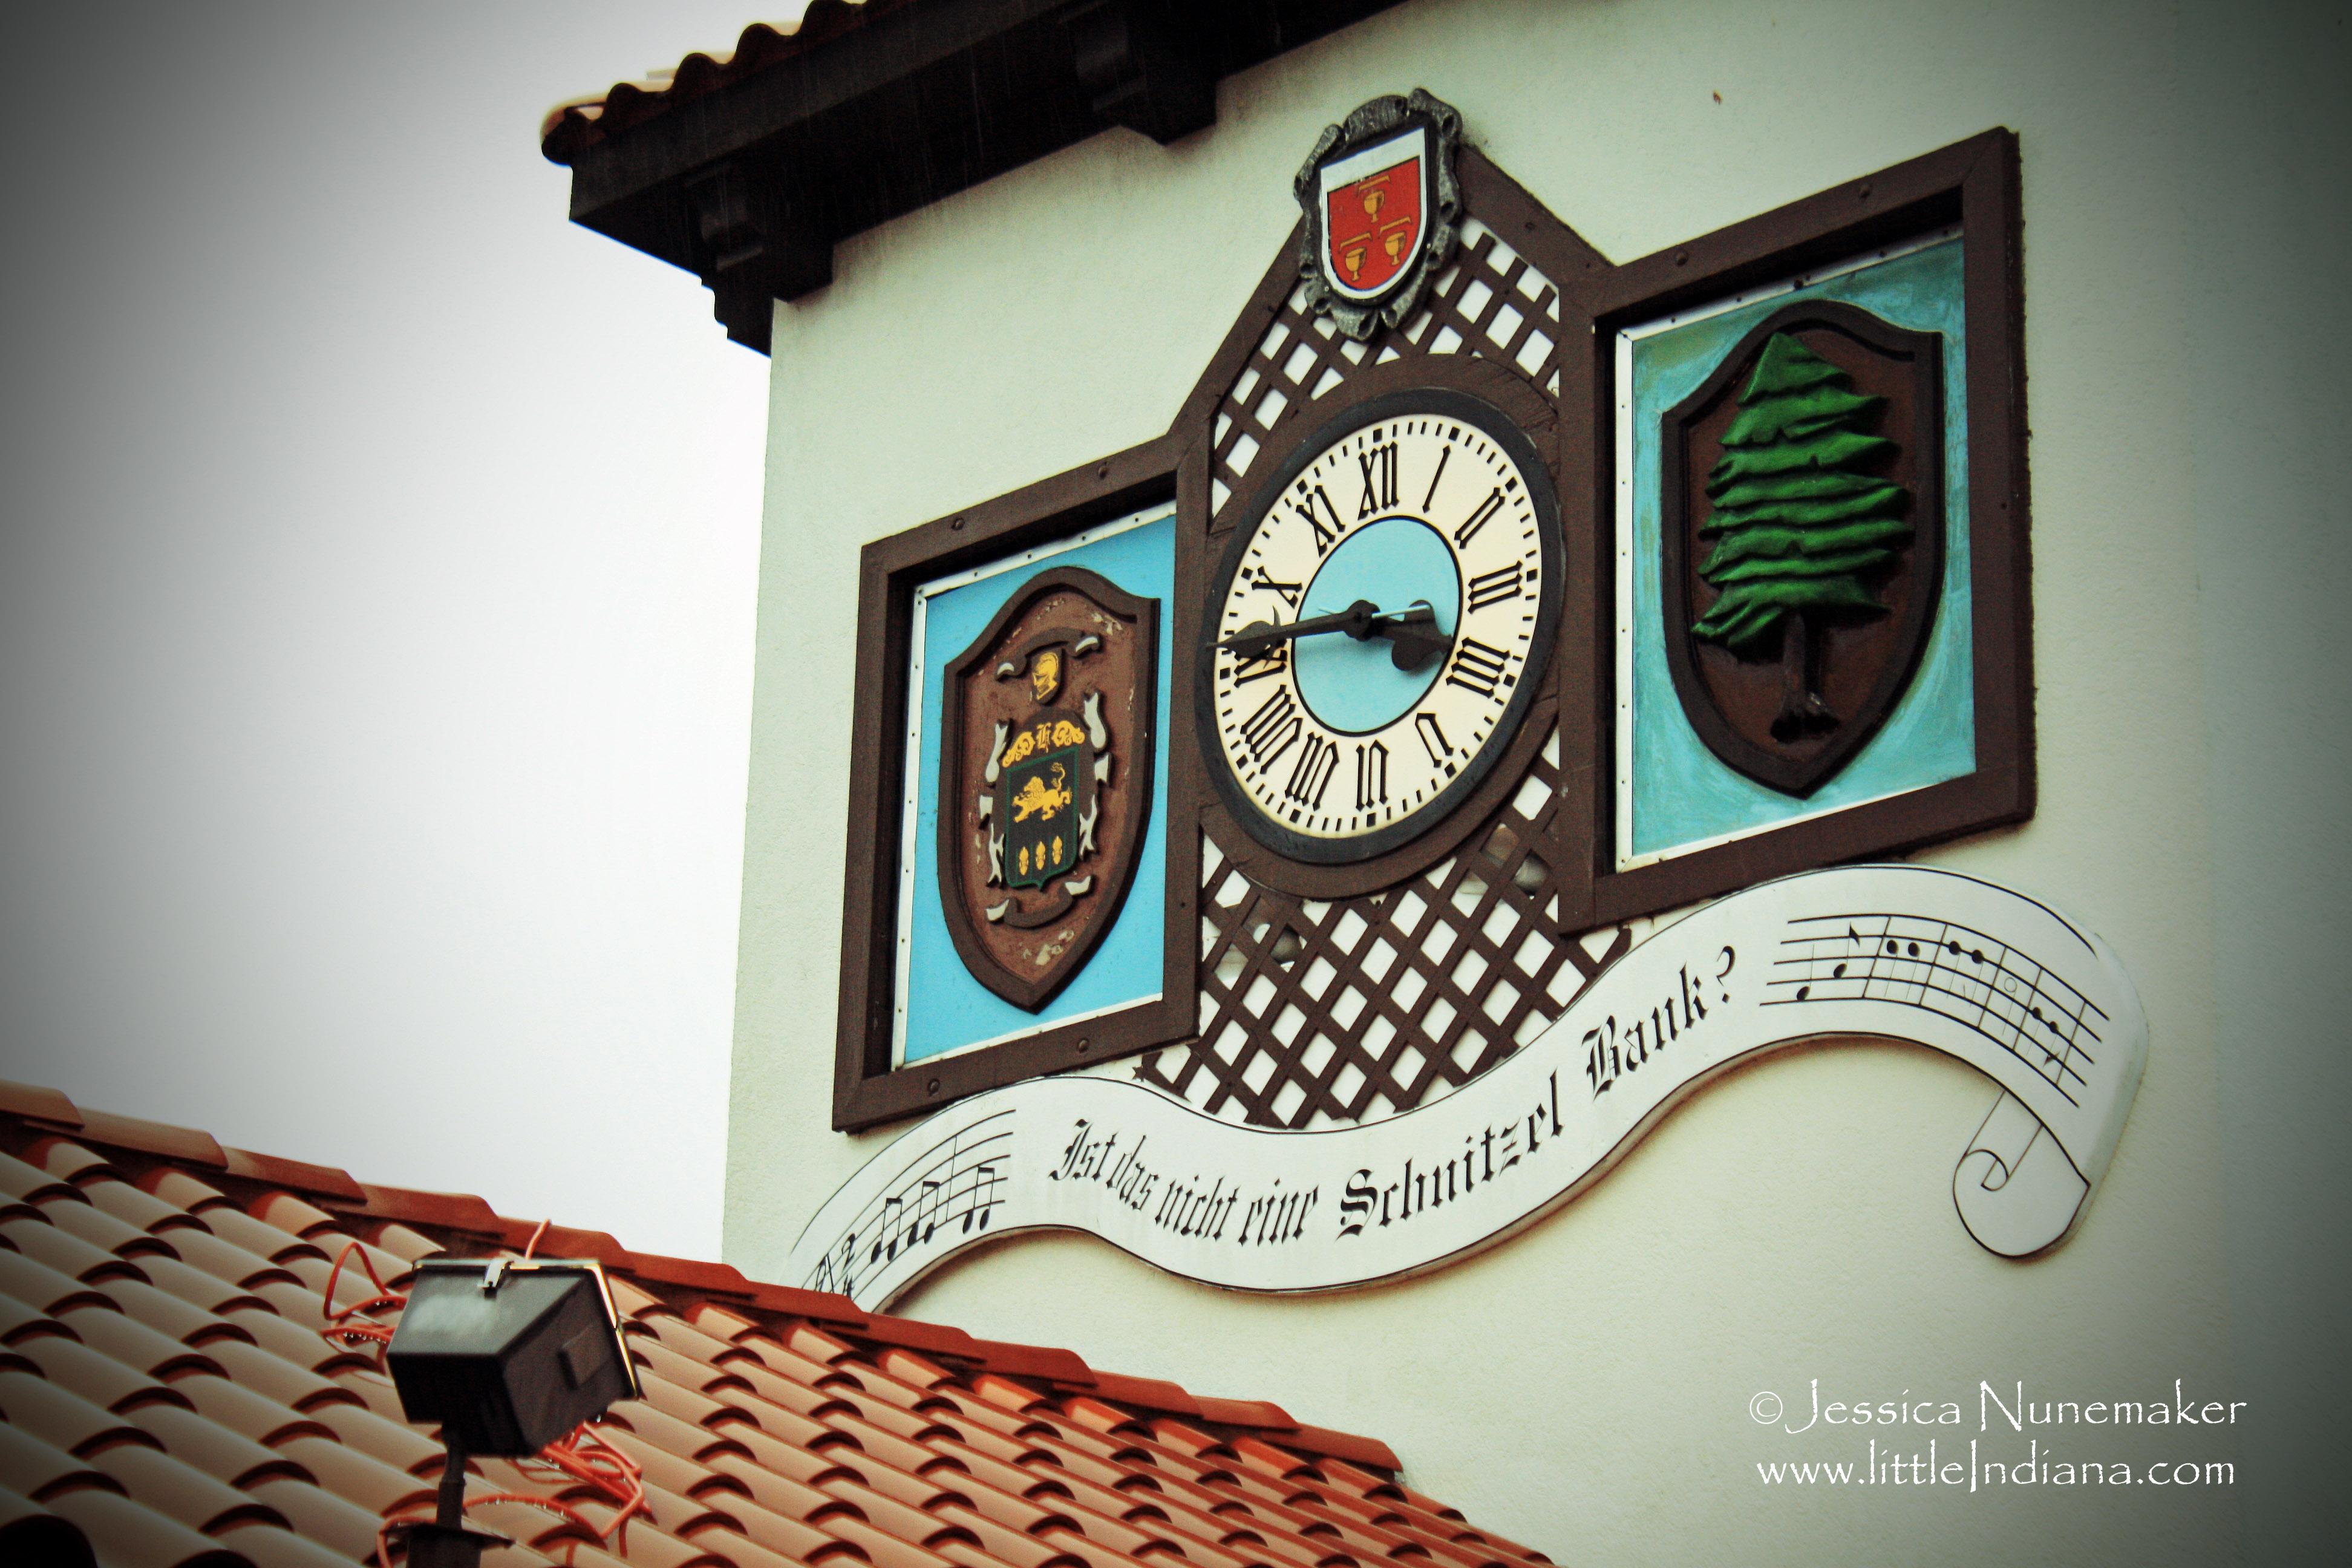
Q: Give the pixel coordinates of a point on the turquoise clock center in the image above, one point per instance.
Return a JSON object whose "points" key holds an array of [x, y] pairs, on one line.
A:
{"points": [[1354, 688]]}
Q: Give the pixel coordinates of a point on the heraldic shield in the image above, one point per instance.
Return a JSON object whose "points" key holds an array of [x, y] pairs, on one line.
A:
{"points": [[1046, 779], [1373, 211], [1382, 209], [1802, 538]]}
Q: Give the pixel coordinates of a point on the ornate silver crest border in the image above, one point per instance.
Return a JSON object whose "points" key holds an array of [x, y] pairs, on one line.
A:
{"points": [[1371, 120]]}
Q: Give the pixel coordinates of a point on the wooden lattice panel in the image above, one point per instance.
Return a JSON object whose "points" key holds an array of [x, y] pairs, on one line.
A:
{"points": [[1491, 302], [1350, 1010], [1315, 1011]]}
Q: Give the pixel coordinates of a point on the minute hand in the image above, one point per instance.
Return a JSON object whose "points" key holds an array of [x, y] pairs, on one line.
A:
{"points": [[1415, 640], [1258, 640]]}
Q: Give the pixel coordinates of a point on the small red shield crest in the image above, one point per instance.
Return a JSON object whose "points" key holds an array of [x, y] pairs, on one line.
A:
{"points": [[1382, 209], [1373, 205]]}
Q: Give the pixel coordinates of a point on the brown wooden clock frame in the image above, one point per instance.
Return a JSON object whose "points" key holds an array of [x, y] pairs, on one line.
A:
{"points": [[1567, 846], [1537, 419]]}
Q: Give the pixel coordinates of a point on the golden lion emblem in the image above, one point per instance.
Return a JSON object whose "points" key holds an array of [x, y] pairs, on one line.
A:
{"points": [[1040, 800]]}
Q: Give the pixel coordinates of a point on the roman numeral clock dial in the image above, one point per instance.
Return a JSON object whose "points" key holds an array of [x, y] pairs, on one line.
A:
{"points": [[1379, 625]]}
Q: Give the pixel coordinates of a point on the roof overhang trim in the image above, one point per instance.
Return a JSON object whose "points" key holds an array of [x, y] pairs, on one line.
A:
{"points": [[748, 171]]}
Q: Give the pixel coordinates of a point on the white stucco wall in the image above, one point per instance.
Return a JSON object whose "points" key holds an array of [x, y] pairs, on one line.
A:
{"points": [[1584, 1388]]}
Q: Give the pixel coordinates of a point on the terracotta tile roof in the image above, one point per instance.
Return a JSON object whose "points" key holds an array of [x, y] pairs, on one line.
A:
{"points": [[572, 127], [166, 1396]]}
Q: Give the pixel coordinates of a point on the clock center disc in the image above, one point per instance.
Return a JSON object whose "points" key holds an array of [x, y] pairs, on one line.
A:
{"points": [[1355, 687]]}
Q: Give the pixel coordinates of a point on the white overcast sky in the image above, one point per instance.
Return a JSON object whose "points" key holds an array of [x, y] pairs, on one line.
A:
{"points": [[377, 566]]}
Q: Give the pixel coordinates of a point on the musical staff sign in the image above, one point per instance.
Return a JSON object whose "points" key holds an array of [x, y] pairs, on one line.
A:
{"points": [[952, 1185], [1953, 970], [1953, 963]]}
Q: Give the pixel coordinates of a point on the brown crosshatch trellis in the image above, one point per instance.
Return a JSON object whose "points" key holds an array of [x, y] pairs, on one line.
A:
{"points": [[1337, 1008], [1331, 1009], [1339, 992]]}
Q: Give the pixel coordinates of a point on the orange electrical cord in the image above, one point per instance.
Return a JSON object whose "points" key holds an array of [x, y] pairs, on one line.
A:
{"points": [[341, 1329], [583, 1459]]}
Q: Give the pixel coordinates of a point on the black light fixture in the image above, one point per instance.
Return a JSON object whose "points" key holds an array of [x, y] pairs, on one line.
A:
{"points": [[505, 1356]]}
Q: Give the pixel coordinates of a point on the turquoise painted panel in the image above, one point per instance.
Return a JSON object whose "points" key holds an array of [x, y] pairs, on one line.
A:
{"points": [[1394, 562], [946, 1008], [1681, 793]]}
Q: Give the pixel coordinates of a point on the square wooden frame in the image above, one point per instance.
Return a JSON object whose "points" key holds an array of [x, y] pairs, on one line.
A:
{"points": [[1972, 183], [866, 1088]]}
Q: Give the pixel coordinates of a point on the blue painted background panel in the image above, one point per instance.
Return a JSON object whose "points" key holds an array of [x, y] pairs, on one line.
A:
{"points": [[1682, 795], [947, 1009]]}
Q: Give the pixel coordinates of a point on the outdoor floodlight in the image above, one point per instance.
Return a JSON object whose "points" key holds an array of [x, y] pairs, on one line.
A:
{"points": [[506, 1357]]}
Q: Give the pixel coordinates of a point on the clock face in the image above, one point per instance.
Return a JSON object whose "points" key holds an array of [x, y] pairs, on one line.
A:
{"points": [[1378, 626]]}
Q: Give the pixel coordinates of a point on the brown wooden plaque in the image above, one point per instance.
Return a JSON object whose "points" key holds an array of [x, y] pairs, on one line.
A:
{"points": [[1046, 779], [1790, 707]]}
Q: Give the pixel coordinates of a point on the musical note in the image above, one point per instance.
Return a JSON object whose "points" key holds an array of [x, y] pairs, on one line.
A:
{"points": [[983, 1194], [1942, 967], [952, 1182]]}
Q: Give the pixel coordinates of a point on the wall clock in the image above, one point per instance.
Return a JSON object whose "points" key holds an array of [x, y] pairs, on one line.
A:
{"points": [[1379, 625]]}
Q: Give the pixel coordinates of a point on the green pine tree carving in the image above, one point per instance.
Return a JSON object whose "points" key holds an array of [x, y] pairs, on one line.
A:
{"points": [[1801, 530]]}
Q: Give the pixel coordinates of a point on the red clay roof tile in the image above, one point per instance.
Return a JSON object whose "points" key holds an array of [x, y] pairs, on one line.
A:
{"points": [[171, 1328], [366, 1483], [320, 1517], [294, 1173], [36, 1104], [407, 1245], [297, 1387], [65, 1159], [455, 1211], [305, 1347], [122, 1532], [113, 1333], [1004, 1392], [250, 1415], [194, 1286], [259, 1237], [30, 1182], [173, 1185], [65, 1252], [225, 1456], [278, 1548], [292, 1215], [729, 1546], [391, 1442], [184, 1145], [155, 1479], [57, 1417], [127, 1204], [36, 1284], [570, 128], [100, 1379], [30, 1534]]}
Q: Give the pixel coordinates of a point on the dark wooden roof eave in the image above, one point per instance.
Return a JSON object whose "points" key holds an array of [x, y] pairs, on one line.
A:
{"points": [[750, 180]]}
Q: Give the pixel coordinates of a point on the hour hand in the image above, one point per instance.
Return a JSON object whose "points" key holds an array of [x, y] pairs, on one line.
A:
{"points": [[1414, 641]]}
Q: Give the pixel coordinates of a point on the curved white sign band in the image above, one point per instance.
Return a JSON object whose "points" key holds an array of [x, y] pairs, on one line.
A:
{"points": [[1906, 952]]}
